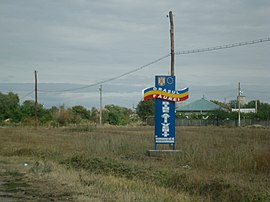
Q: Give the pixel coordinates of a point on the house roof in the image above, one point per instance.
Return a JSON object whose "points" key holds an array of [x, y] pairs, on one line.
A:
{"points": [[201, 105]]}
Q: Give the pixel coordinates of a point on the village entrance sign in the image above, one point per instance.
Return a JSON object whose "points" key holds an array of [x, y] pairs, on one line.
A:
{"points": [[165, 97]]}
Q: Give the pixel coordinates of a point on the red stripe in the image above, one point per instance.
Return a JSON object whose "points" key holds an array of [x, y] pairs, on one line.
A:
{"points": [[151, 96], [148, 97], [184, 98]]}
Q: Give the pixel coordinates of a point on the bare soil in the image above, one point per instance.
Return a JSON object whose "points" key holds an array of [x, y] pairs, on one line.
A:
{"points": [[18, 183]]}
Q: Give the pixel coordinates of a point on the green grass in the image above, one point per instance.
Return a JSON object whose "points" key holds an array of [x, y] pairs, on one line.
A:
{"points": [[216, 163]]}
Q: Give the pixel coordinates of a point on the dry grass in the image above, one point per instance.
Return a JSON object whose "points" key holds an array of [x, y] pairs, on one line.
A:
{"points": [[109, 163], [100, 187]]}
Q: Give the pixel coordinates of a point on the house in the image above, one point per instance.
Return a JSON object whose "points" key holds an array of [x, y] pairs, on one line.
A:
{"points": [[201, 106]]}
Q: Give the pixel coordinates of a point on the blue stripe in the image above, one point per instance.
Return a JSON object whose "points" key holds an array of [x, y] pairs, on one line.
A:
{"points": [[182, 91], [148, 89], [177, 91]]}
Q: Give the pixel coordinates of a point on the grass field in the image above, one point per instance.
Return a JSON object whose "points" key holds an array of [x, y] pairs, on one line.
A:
{"points": [[109, 164]]}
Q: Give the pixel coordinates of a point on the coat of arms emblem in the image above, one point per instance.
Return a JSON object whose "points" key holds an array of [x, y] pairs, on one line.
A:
{"points": [[161, 81]]}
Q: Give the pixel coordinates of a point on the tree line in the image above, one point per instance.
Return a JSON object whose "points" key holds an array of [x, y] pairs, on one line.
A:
{"points": [[146, 108], [263, 110], [11, 111]]}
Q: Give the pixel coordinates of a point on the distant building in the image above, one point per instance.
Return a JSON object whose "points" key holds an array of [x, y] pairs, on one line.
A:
{"points": [[245, 110], [242, 99], [201, 106]]}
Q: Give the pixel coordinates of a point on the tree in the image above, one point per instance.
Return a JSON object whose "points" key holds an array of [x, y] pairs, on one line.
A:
{"points": [[263, 111], [218, 114], [28, 108], [9, 107], [79, 113], [233, 104], [62, 116], [28, 112], [94, 115], [223, 105], [116, 115], [145, 108]]}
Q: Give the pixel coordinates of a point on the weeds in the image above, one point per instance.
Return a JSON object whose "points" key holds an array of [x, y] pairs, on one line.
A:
{"points": [[106, 166], [81, 128], [225, 164], [215, 189], [41, 167], [262, 162]]}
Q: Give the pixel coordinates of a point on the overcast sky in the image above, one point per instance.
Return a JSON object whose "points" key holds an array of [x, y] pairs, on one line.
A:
{"points": [[87, 41]]}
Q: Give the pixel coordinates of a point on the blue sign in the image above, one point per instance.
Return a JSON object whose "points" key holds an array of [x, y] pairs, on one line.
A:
{"points": [[165, 97], [164, 112]]}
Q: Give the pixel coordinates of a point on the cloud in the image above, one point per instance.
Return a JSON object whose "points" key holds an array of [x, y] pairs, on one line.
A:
{"points": [[84, 42]]}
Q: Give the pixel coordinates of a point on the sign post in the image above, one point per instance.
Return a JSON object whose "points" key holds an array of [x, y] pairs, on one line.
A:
{"points": [[165, 97], [165, 113]]}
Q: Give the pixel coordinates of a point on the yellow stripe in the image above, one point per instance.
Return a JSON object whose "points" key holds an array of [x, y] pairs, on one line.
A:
{"points": [[166, 94]]}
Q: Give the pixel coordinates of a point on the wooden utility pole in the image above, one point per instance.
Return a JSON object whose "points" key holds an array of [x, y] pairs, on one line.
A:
{"points": [[256, 106], [239, 114], [172, 42], [172, 54], [36, 101], [100, 105]]}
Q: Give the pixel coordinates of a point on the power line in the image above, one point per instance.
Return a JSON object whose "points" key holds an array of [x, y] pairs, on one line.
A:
{"points": [[67, 90], [27, 94], [110, 79], [257, 91], [233, 45]]}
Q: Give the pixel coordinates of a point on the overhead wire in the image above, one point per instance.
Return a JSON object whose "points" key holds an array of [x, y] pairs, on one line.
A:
{"points": [[110, 79], [27, 94], [214, 48], [257, 91], [233, 45]]}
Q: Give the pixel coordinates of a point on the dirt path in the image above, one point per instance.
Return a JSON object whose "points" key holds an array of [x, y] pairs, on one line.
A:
{"points": [[4, 195], [17, 183], [11, 187]]}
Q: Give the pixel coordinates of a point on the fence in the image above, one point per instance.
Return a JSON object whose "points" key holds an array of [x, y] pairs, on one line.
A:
{"points": [[216, 122]]}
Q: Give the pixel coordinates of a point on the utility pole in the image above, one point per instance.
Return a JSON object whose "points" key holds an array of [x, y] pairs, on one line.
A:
{"points": [[36, 101], [173, 146], [100, 105], [238, 98], [172, 42], [256, 106]]}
